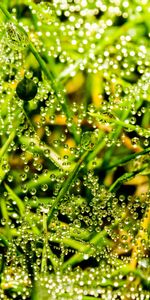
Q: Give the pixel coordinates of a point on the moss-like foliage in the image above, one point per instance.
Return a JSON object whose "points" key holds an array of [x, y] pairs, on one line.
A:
{"points": [[74, 150]]}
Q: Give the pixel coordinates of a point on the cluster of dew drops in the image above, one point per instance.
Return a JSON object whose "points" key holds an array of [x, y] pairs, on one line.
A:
{"points": [[68, 36]]}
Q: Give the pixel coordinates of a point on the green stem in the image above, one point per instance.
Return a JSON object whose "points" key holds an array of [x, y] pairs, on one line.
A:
{"points": [[114, 135], [47, 151], [5, 11], [125, 270], [16, 199], [127, 158], [3, 240], [121, 123], [66, 186], [42, 64], [5, 216], [21, 208], [42, 179], [116, 185], [99, 146], [80, 246], [44, 258], [99, 238], [7, 143], [28, 119], [71, 242], [46, 250]]}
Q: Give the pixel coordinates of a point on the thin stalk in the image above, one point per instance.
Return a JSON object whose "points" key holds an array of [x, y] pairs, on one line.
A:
{"points": [[116, 185], [29, 218], [99, 146], [121, 123], [7, 143], [5, 216], [81, 234], [127, 158], [4, 210], [142, 235], [66, 186], [46, 249], [102, 144], [21, 208], [28, 119], [42, 179], [16, 199], [99, 238], [44, 258], [53, 156], [4, 241], [5, 11], [126, 269], [42, 64], [114, 135], [55, 86], [80, 246]]}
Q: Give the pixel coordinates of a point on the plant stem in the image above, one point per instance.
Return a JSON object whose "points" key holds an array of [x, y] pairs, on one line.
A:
{"points": [[126, 159], [121, 123], [66, 186], [42, 64], [99, 146], [44, 258], [5, 216], [116, 185], [54, 157], [42, 179], [5, 11], [7, 143], [16, 199], [142, 235], [99, 238], [21, 208], [80, 246], [3, 240], [114, 135]]}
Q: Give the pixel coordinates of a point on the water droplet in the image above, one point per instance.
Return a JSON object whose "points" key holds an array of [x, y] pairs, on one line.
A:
{"points": [[26, 89]]}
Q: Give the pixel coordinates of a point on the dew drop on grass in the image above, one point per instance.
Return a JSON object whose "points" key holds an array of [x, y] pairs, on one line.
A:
{"points": [[26, 89], [44, 187], [88, 140]]}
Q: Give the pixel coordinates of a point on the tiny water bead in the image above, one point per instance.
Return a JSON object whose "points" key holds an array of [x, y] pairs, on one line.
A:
{"points": [[26, 89], [88, 140], [16, 38]]}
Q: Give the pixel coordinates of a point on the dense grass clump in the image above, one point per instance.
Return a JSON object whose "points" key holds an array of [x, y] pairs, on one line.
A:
{"points": [[74, 150]]}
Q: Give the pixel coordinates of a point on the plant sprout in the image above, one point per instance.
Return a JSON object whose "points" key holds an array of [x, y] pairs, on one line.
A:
{"points": [[74, 150]]}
